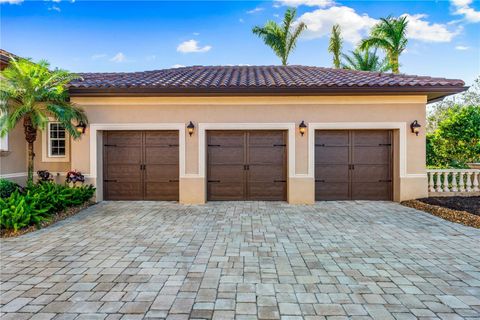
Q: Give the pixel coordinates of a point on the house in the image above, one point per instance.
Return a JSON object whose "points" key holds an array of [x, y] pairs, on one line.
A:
{"points": [[204, 133]]}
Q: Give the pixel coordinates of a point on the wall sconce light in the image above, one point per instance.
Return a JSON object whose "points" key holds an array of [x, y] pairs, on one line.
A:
{"points": [[190, 128], [302, 128], [81, 127], [415, 126]]}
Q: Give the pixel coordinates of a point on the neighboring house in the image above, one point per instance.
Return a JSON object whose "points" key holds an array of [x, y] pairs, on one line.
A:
{"points": [[246, 142]]}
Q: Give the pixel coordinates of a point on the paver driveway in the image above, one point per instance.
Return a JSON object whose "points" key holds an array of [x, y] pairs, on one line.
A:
{"points": [[334, 260]]}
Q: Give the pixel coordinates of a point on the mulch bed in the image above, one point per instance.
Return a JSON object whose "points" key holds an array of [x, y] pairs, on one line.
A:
{"points": [[62, 215], [463, 210]]}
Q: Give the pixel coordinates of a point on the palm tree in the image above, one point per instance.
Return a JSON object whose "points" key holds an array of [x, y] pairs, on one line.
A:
{"points": [[335, 45], [32, 93], [281, 38], [365, 60], [390, 35]]}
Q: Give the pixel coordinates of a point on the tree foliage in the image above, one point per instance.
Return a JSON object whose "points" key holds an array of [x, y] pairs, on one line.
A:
{"points": [[281, 38], [32, 93], [365, 60], [390, 35], [335, 45]]}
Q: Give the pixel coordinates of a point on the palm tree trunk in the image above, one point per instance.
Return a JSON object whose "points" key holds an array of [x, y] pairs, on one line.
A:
{"points": [[394, 63], [30, 137]]}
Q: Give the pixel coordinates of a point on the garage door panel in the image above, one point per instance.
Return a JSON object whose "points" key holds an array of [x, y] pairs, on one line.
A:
{"points": [[226, 138], [161, 138], [265, 138], [331, 191], [123, 155], [370, 137], [329, 155], [371, 173], [123, 190], [266, 155], [371, 155], [266, 190], [124, 138], [331, 172], [331, 138], [161, 191], [162, 172], [371, 191], [226, 191], [266, 172], [226, 173], [226, 155], [161, 155], [125, 173]]}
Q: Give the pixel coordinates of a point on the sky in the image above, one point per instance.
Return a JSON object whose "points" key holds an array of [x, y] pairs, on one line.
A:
{"points": [[116, 36]]}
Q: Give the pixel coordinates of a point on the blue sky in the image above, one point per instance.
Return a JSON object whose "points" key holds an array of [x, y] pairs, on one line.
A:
{"points": [[94, 36]]}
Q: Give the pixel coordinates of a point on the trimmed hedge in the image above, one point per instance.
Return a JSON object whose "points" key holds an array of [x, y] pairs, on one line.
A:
{"points": [[39, 202]]}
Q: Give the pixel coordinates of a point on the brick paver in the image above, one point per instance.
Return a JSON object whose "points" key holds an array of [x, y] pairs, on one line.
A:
{"points": [[244, 260]]}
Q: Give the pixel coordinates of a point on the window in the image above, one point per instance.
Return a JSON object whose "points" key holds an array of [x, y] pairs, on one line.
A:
{"points": [[56, 140]]}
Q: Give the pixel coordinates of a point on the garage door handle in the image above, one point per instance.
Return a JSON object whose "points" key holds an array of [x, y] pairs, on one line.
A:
{"points": [[172, 180], [279, 181], [106, 180], [213, 180]]}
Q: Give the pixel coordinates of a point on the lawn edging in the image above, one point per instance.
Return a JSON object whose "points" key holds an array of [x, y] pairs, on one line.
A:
{"points": [[457, 216]]}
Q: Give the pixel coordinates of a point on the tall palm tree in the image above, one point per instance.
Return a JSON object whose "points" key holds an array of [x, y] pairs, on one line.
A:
{"points": [[281, 38], [365, 60], [390, 35], [335, 45], [32, 93]]}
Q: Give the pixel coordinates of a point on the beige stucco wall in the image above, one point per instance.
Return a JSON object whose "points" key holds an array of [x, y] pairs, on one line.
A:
{"points": [[327, 109]]}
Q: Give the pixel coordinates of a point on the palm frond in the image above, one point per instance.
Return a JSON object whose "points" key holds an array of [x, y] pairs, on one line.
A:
{"points": [[335, 45]]}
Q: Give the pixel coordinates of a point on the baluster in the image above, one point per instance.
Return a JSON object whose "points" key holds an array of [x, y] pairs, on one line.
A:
{"points": [[438, 182], [461, 182], [475, 182], [445, 182], [431, 187], [469, 182], [454, 182]]}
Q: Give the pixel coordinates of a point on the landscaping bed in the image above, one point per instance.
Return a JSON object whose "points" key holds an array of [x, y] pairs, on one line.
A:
{"points": [[26, 209], [464, 210]]}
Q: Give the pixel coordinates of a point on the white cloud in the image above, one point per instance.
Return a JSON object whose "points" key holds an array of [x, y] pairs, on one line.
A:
{"points": [[320, 21], [119, 57], [462, 48], [462, 7], [309, 3], [192, 46], [54, 8], [97, 56], [422, 30], [256, 10], [196, 33], [177, 66], [57, 1], [11, 1], [241, 20]]}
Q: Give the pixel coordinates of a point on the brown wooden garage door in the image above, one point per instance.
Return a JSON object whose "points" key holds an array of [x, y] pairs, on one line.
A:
{"points": [[353, 165], [140, 165], [246, 165]]}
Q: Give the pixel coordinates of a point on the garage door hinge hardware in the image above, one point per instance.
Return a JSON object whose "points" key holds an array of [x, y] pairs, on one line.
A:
{"points": [[384, 144], [214, 145], [173, 145], [384, 180], [319, 180], [106, 180], [110, 145], [279, 145], [279, 181], [172, 180], [213, 180], [320, 145]]}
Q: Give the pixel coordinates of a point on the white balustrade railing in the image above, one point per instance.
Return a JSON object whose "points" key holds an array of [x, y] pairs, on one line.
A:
{"points": [[453, 181]]}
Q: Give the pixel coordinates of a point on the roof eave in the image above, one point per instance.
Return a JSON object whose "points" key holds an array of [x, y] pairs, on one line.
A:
{"points": [[432, 92]]}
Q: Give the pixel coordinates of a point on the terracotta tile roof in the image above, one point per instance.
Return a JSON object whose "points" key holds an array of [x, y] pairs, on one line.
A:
{"points": [[248, 77]]}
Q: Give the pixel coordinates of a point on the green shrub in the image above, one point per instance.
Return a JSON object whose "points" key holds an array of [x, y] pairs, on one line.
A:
{"points": [[22, 210], [38, 202], [7, 187]]}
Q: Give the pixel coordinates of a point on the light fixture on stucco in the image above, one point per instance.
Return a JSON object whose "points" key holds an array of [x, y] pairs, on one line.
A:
{"points": [[302, 128], [190, 128], [81, 127], [415, 126]]}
